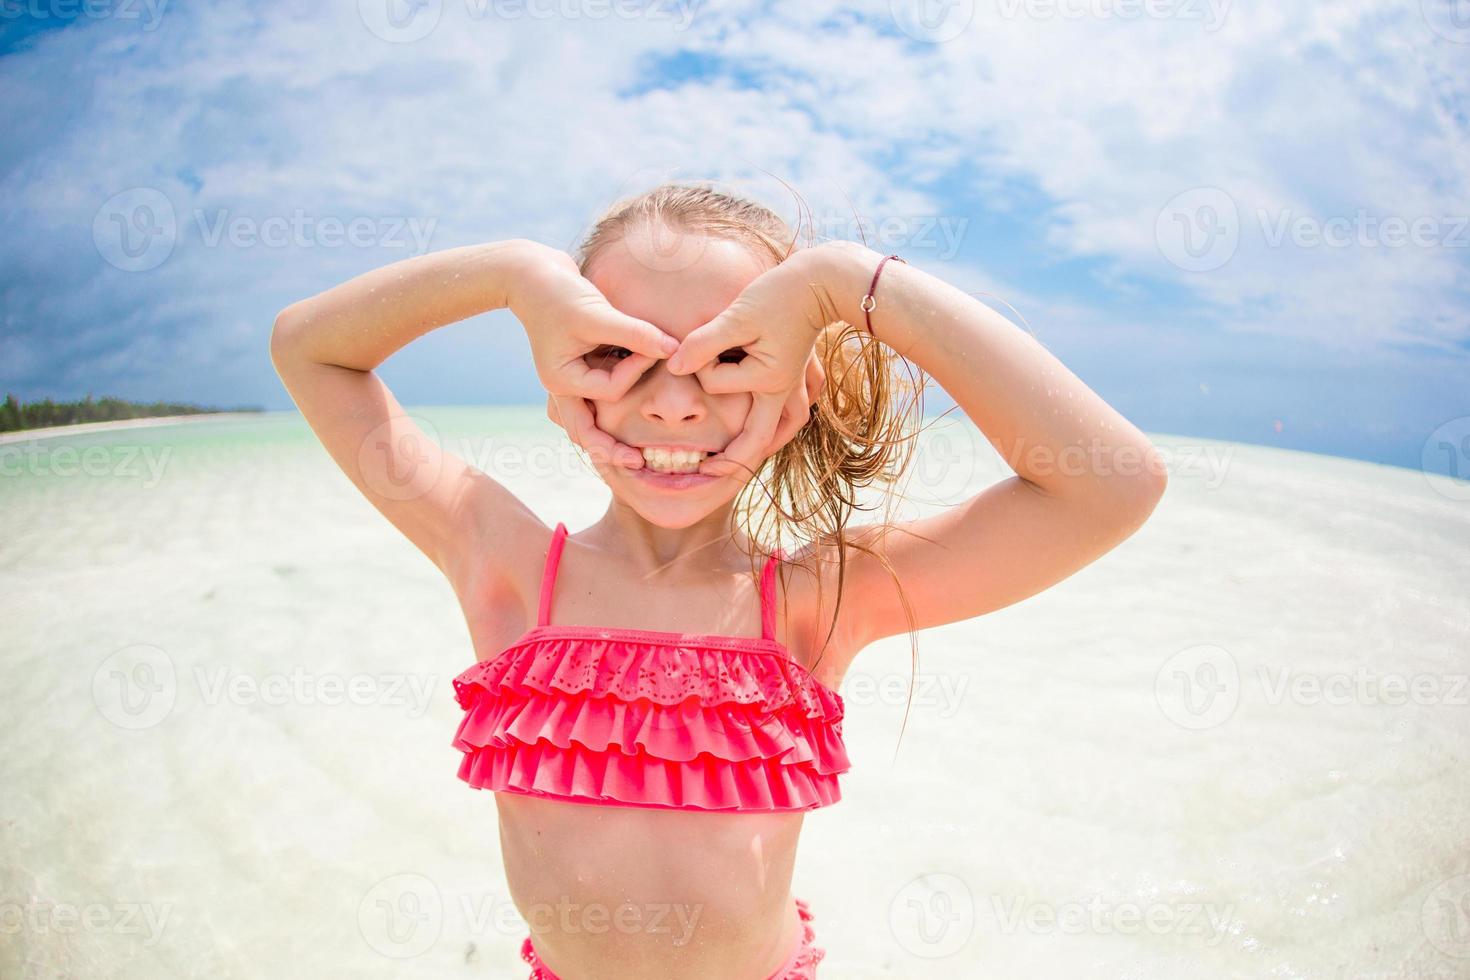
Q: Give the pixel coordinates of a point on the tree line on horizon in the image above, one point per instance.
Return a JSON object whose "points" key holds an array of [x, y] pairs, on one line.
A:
{"points": [[16, 415]]}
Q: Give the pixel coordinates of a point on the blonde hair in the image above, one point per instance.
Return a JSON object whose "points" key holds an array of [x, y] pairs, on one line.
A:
{"points": [[861, 432]]}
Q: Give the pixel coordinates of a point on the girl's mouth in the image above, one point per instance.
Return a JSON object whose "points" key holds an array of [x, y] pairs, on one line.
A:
{"points": [[672, 481], [674, 468]]}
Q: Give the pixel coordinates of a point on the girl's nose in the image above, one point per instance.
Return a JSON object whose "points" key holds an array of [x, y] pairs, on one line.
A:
{"points": [[673, 397]]}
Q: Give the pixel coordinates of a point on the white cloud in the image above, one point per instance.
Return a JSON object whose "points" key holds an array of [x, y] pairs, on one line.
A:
{"points": [[496, 127]]}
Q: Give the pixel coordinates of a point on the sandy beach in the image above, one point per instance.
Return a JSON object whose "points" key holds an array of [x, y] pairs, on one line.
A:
{"points": [[25, 435], [1235, 747]]}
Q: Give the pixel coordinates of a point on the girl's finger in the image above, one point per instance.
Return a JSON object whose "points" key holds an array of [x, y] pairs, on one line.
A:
{"points": [[707, 342], [748, 450], [797, 411], [580, 379], [638, 336], [816, 378], [581, 426], [748, 375], [794, 414], [624, 375]]}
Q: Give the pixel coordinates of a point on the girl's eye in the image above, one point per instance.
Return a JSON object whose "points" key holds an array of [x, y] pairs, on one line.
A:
{"points": [[606, 356]]}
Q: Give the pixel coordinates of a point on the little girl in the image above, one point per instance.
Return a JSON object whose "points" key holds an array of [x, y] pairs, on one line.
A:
{"points": [[655, 711]]}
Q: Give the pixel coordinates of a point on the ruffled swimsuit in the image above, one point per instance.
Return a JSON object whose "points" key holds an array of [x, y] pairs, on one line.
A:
{"points": [[648, 718]]}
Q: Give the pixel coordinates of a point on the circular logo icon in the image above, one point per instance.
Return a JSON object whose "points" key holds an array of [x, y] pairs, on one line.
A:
{"points": [[135, 230], [1198, 687], [932, 21], [1199, 230], [933, 915], [400, 458], [1450, 19], [948, 453], [659, 248], [662, 249], [400, 21], [1445, 459], [1445, 916], [401, 916], [135, 687]]}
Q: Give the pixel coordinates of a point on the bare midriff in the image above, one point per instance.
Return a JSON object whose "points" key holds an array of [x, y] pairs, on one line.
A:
{"points": [[627, 893]]}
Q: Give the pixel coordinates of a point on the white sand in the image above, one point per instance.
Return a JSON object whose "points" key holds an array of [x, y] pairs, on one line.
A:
{"points": [[1054, 763], [49, 432]]}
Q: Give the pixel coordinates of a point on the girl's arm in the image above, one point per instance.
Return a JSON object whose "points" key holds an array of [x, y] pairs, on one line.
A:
{"points": [[1085, 480], [326, 348]]}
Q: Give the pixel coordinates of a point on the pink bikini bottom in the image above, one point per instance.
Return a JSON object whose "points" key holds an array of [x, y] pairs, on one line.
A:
{"points": [[800, 965]]}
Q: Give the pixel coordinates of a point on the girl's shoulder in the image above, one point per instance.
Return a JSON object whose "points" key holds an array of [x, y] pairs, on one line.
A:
{"points": [[497, 570], [812, 622]]}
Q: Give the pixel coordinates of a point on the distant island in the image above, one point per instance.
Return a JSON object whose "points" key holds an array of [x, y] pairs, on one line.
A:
{"points": [[16, 415]]}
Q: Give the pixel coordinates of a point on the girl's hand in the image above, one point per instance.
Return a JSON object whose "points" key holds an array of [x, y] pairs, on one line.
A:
{"points": [[775, 321], [571, 325], [790, 417]]}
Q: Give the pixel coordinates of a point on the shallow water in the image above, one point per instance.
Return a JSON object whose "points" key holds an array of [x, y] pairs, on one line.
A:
{"points": [[229, 711]]}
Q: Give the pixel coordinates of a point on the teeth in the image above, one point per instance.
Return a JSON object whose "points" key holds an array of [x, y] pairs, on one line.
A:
{"points": [[673, 460]]}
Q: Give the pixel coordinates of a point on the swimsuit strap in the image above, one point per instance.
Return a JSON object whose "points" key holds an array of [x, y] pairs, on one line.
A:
{"points": [[553, 561], [548, 574], [768, 597]]}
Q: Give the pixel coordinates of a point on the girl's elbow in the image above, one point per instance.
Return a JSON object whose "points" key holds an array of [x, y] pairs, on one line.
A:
{"points": [[284, 339], [1142, 494]]}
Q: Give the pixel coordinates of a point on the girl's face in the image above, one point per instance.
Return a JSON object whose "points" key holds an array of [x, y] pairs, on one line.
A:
{"points": [[677, 281]]}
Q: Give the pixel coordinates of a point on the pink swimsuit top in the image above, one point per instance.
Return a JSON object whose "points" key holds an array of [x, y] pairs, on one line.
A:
{"points": [[626, 717]]}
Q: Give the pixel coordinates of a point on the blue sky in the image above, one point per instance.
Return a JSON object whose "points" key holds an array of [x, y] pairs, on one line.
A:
{"points": [[1232, 220]]}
